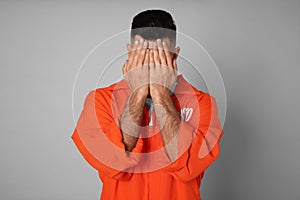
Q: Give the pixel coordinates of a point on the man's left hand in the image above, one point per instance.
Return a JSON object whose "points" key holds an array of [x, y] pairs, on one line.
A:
{"points": [[163, 70]]}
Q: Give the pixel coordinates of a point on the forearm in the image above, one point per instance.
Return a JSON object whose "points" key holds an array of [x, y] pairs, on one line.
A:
{"points": [[131, 118], [169, 124]]}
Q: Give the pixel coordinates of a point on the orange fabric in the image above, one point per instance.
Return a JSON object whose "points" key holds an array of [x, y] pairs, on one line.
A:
{"points": [[147, 173]]}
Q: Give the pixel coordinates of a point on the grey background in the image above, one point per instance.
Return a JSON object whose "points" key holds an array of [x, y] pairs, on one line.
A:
{"points": [[255, 44]]}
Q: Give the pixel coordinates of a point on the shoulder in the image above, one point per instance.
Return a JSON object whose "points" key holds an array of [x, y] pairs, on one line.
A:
{"points": [[202, 96], [100, 95]]}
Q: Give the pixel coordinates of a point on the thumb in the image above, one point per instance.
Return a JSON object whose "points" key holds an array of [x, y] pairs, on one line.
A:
{"points": [[129, 49], [124, 68]]}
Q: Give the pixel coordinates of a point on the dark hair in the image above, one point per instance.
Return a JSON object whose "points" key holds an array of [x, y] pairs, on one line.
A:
{"points": [[154, 24]]}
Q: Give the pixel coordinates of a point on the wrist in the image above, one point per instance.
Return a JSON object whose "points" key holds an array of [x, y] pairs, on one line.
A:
{"points": [[141, 93], [160, 97]]}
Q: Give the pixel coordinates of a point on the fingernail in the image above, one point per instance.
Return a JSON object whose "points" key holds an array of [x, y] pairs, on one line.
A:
{"points": [[164, 43], [141, 40], [136, 42], [155, 45], [158, 41], [145, 44]]}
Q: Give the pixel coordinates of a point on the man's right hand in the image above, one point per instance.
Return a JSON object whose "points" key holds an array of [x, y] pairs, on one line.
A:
{"points": [[135, 72]]}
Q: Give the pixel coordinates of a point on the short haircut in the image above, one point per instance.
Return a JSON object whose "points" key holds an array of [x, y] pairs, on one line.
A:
{"points": [[154, 24]]}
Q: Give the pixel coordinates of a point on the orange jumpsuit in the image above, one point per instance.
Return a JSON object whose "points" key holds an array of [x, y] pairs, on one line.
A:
{"points": [[147, 173]]}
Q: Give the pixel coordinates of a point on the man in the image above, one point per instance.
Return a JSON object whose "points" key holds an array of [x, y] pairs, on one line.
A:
{"points": [[151, 135]]}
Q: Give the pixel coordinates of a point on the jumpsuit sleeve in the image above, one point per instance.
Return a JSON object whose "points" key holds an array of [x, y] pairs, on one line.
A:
{"points": [[99, 139], [199, 147]]}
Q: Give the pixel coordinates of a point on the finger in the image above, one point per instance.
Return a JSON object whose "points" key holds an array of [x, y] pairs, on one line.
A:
{"points": [[147, 57], [142, 54], [124, 68], [168, 54], [150, 45], [132, 54], [175, 65], [135, 44], [155, 54], [128, 47], [151, 59], [161, 53], [137, 52]]}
